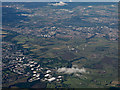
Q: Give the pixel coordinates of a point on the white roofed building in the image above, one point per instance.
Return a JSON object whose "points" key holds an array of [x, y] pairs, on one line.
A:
{"points": [[48, 71], [51, 79]]}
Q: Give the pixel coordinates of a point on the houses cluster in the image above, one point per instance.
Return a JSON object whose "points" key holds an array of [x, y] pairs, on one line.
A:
{"points": [[23, 65], [71, 31], [17, 63], [73, 49], [49, 76], [35, 69]]}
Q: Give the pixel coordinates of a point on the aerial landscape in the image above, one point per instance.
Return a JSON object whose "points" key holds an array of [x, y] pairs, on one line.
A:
{"points": [[59, 44]]}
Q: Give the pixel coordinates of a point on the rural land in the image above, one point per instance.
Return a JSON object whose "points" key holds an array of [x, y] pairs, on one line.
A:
{"points": [[59, 45]]}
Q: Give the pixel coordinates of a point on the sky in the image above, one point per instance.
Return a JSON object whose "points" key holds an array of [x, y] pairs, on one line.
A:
{"points": [[59, 0]]}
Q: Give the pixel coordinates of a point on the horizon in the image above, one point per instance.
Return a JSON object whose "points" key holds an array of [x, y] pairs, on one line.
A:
{"points": [[60, 0]]}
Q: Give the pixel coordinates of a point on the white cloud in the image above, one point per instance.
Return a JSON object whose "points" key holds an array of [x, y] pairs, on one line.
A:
{"points": [[71, 70]]}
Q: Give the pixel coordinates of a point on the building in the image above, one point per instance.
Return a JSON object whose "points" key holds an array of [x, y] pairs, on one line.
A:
{"points": [[51, 79]]}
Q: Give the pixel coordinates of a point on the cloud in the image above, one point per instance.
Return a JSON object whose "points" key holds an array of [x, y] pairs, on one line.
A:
{"points": [[71, 70]]}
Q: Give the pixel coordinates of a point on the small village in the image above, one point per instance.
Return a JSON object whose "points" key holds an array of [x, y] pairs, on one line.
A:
{"points": [[22, 65]]}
